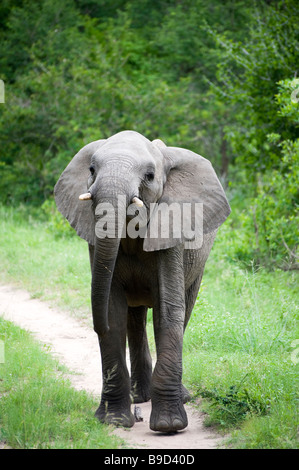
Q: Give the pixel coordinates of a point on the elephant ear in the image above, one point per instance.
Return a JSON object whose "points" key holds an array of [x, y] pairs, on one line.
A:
{"points": [[196, 196], [72, 183]]}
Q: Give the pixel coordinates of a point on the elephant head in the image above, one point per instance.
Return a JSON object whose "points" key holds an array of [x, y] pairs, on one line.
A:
{"points": [[144, 173]]}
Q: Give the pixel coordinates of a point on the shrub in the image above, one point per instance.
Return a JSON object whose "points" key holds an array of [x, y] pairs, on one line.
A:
{"points": [[266, 223], [57, 224]]}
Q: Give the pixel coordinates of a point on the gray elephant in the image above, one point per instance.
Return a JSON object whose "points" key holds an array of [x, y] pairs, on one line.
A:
{"points": [[158, 265]]}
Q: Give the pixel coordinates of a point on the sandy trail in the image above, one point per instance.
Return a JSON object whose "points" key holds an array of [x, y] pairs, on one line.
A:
{"points": [[76, 346]]}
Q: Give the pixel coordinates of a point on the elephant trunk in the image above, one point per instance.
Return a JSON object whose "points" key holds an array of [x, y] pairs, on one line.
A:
{"points": [[109, 215]]}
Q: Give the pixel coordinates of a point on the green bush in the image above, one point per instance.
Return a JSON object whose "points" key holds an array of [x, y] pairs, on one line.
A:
{"points": [[57, 224], [267, 218], [275, 211], [234, 406]]}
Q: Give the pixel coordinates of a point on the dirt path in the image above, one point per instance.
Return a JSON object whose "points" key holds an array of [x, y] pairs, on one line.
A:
{"points": [[76, 346]]}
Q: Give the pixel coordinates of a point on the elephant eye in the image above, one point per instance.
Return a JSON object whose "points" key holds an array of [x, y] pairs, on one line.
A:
{"points": [[149, 177], [91, 169]]}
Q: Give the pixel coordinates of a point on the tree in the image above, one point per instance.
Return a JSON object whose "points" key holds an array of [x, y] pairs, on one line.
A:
{"points": [[249, 72]]}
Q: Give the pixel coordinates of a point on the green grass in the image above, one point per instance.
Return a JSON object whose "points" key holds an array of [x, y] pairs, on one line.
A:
{"points": [[239, 353], [38, 408], [52, 268]]}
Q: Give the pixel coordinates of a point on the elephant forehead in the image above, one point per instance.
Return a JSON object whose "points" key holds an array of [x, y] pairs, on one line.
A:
{"points": [[127, 136], [118, 151]]}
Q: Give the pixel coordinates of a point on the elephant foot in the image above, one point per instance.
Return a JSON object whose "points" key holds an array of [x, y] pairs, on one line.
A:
{"points": [[140, 394], [119, 417], [185, 394], [168, 418]]}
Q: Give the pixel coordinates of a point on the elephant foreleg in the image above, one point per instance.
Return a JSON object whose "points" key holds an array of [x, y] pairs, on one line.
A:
{"points": [[168, 413], [115, 406], [141, 361]]}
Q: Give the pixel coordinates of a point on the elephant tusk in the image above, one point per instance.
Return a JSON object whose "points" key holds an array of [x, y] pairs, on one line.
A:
{"points": [[85, 197], [137, 201]]}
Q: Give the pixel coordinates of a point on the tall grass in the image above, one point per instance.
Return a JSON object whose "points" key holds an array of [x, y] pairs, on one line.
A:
{"points": [[239, 344], [238, 351], [52, 268]]}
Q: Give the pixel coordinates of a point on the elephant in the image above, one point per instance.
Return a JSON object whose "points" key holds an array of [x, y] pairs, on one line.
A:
{"points": [[159, 268]]}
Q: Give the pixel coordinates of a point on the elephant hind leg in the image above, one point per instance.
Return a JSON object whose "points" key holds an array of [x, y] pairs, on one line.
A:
{"points": [[186, 395], [141, 361]]}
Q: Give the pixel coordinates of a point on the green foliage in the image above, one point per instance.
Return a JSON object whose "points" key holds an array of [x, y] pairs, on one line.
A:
{"points": [[248, 74], [57, 225], [289, 108], [73, 77], [233, 407], [268, 224], [276, 211]]}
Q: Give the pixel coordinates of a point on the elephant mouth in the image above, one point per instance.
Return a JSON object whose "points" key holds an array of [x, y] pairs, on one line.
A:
{"points": [[88, 196]]}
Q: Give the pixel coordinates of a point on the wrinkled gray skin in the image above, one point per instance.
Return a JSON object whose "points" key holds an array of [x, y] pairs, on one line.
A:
{"points": [[131, 275]]}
